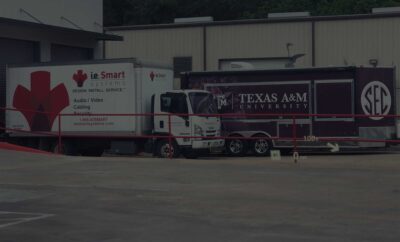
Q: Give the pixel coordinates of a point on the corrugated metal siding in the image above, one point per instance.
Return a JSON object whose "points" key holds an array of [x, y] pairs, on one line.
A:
{"points": [[355, 42], [2, 94], [337, 43], [159, 45], [222, 42], [257, 41], [358, 41]]}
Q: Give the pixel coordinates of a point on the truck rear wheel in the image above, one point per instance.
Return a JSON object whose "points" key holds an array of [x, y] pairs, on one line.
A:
{"points": [[165, 150], [237, 146], [261, 146]]}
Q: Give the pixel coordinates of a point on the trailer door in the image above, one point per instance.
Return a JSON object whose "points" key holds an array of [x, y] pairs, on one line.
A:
{"points": [[334, 101]]}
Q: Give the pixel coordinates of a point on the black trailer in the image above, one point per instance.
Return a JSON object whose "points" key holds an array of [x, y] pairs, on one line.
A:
{"points": [[333, 101]]}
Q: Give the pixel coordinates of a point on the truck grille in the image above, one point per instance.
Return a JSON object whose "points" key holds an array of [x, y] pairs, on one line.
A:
{"points": [[211, 133]]}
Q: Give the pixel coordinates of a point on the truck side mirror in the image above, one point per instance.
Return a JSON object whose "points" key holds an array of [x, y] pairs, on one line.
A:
{"points": [[187, 123]]}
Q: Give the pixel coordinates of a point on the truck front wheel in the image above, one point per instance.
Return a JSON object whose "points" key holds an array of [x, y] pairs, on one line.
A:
{"points": [[236, 146], [261, 146], [166, 150]]}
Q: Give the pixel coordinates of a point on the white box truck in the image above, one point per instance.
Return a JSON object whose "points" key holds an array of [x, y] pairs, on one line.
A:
{"points": [[122, 105]]}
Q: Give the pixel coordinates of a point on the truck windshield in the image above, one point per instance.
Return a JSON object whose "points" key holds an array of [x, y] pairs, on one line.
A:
{"points": [[203, 103]]}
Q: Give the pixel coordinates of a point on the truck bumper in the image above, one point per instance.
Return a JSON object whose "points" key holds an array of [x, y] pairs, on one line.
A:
{"points": [[208, 144]]}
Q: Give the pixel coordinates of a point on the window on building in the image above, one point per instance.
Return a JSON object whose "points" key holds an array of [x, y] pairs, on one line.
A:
{"points": [[182, 64]]}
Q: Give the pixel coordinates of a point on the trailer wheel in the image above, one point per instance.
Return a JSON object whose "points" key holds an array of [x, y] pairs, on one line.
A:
{"points": [[164, 149], [261, 146], [237, 146]]}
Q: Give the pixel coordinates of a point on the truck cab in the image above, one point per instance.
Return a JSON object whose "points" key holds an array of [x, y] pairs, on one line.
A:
{"points": [[185, 122]]}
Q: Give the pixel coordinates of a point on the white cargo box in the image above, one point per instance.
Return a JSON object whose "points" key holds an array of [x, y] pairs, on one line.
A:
{"points": [[107, 87]]}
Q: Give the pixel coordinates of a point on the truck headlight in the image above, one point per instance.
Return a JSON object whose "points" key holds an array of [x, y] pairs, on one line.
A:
{"points": [[198, 130]]}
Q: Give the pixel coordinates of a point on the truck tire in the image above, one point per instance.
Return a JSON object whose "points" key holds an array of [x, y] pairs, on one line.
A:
{"points": [[163, 149], [236, 147], [261, 146]]}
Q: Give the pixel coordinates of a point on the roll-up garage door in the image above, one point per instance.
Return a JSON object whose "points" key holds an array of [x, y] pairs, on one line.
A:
{"points": [[60, 53], [14, 52]]}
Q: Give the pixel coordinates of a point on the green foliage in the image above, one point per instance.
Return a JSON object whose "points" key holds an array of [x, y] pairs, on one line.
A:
{"points": [[133, 12]]}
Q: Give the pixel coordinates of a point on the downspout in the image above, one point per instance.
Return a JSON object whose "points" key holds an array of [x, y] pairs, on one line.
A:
{"points": [[104, 46], [104, 49], [313, 61], [204, 48]]}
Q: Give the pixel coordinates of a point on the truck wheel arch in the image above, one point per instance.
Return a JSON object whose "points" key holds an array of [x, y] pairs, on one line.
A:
{"points": [[259, 134]]}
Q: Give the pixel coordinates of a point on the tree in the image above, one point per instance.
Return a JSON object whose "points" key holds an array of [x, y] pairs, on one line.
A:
{"points": [[134, 12], [115, 11]]}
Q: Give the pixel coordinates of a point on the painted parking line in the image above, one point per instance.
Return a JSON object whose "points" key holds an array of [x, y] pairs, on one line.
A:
{"points": [[20, 218]]}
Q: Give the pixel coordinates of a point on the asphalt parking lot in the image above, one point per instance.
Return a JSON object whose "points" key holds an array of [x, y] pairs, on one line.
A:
{"points": [[322, 198]]}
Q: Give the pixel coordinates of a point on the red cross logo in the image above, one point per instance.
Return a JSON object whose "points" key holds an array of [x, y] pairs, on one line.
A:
{"points": [[41, 105]]}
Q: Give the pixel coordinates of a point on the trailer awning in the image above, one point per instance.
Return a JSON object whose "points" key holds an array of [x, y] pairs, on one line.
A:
{"points": [[32, 26]]}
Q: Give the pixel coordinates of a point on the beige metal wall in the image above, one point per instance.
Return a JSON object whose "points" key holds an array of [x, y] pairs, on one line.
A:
{"points": [[258, 41], [355, 42], [358, 41], [222, 42], [160, 45], [337, 43]]}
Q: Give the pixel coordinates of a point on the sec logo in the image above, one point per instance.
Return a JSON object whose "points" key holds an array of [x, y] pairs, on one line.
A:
{"points": [[376, 99]]}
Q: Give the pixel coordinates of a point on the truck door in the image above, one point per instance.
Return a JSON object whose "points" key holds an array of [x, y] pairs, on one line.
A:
{"points": [[333, 97], [176, 105]]}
